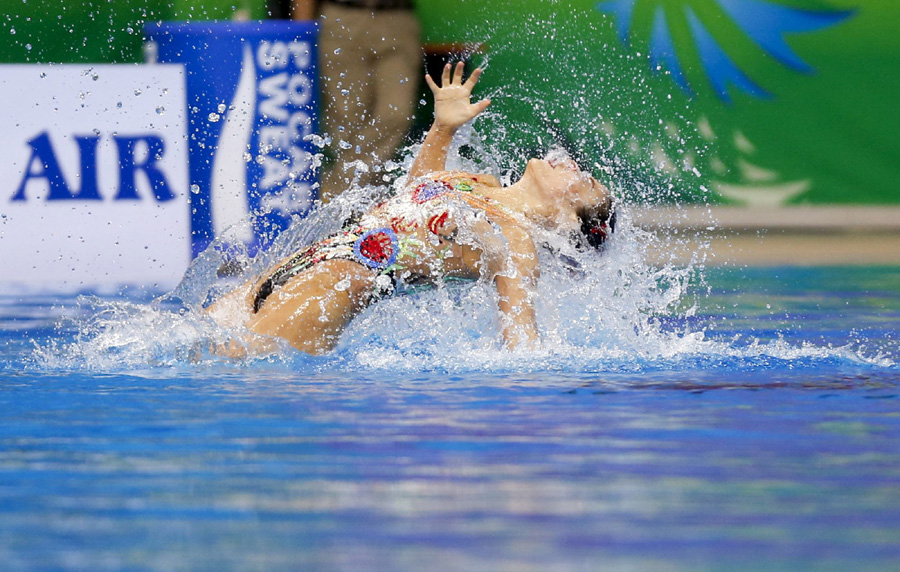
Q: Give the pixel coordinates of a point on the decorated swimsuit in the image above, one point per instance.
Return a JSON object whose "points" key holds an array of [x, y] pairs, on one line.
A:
{"points": [[431, 213]]}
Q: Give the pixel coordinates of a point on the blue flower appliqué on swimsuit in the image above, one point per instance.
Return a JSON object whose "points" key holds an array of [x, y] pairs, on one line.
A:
{"points": [[430, 190]]}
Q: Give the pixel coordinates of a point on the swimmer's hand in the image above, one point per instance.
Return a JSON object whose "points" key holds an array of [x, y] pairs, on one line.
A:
{"points": [[452, 109], [452, 105]]}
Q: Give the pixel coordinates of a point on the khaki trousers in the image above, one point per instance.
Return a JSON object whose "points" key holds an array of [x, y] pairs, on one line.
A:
{"points": [[370, 62]]}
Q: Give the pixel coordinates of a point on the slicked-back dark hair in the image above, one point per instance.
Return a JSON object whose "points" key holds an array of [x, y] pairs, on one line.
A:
{"points": [[598, 226]]}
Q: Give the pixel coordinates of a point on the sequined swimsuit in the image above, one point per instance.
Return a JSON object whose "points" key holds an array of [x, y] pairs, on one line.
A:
{"points": [[378, 246]]}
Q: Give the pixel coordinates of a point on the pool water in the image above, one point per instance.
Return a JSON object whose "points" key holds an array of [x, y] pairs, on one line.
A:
{"points": [[760, 430]]}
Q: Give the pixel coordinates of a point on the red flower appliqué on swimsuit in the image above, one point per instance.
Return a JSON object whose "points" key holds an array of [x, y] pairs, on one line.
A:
{"points": [[377, 248]]}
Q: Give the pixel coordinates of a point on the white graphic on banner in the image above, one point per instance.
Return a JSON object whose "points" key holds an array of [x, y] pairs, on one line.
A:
{"points": [[228, 186]]}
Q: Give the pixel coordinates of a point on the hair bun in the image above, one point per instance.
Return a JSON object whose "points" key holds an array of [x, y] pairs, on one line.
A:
{"points": [[596, 230]]}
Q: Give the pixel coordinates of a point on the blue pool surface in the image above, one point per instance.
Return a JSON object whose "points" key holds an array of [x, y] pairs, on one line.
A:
{"points": [[762, 434]]}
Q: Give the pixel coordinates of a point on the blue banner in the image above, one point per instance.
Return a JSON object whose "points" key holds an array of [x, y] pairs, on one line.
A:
{"points": [[251, 105]]}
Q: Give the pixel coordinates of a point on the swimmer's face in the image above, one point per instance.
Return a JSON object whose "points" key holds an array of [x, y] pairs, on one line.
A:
{"points": [[562, 180]]}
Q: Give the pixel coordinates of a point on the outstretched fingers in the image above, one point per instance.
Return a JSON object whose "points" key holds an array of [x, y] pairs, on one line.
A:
{"points": [[457, 76], [431, 85], [473, 79], [481, 105], [453, 75]]}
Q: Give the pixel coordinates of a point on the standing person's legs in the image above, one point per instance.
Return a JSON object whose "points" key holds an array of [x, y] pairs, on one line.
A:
{"points": [[398, 66], [345, 54]]}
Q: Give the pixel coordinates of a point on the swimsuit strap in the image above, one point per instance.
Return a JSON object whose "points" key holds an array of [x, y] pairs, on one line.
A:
{"points": [[464, 185], [487, 205]]}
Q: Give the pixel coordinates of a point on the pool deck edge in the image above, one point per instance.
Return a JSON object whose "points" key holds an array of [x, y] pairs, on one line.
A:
{"points": [[778, 236]]}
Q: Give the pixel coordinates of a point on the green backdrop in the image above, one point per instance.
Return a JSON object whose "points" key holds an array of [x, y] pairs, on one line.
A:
{"points": [[98, 31], [744, 101], [747, 101]]}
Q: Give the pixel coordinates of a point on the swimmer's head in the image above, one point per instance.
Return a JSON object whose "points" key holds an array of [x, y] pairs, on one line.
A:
{"points": [[564, 187]]}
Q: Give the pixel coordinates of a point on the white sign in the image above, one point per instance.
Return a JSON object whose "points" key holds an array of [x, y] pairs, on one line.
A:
{"points": [[93, 175]]}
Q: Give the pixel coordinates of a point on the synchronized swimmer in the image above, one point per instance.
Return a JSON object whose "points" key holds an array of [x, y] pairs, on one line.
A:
{"points": [[441, 225]]}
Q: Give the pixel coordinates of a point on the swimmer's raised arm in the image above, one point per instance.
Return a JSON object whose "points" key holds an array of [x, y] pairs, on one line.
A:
{"points": [[452, 109]]}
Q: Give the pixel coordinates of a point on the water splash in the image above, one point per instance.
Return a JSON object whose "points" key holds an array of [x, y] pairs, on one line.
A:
{"points": [[610, 312], [590, 304], [599, 314]]}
